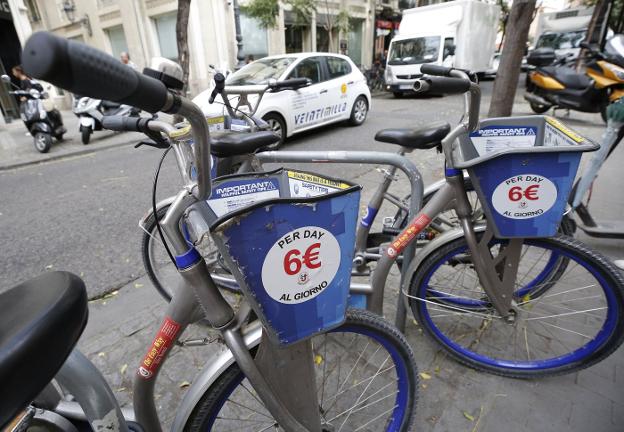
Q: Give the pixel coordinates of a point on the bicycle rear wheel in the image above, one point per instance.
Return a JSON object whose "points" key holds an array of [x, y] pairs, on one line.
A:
{"points": [[563, 321], [366, 381]]}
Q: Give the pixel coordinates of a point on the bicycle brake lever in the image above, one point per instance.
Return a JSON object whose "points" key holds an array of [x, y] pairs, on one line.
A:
{"points": [[156, 140]]}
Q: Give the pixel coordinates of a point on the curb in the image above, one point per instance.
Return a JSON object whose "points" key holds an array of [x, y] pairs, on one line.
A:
{"points": [[54, 157]]}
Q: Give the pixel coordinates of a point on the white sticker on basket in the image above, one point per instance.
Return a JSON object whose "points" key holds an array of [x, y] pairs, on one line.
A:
{"points": [[554, 137], [304, 189], [524, 196], [301, 265], [235, 194], [493, 138]]}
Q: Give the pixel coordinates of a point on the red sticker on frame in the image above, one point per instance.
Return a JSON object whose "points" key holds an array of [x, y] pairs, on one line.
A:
{"points": [[163, 340], [407, 235]]}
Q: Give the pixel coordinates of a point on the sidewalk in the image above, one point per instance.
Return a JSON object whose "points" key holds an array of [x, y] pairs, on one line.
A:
{"points": [[452, 397], [17, 149]]}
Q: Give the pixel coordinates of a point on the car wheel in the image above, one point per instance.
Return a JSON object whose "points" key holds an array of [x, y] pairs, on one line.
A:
{"points": [[359, 111], [397, 95], [278, 126]]}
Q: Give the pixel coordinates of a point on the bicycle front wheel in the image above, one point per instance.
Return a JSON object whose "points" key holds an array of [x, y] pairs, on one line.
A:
{"points": [[366, 381], [562, 321]]}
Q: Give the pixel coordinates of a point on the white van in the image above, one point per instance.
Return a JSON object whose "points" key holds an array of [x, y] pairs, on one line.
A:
{"points": [[460, 33]]}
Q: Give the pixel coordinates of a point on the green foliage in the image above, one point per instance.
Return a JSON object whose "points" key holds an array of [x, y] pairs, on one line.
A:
{"points": [[265, 11], [303, 10], [342, 21]]}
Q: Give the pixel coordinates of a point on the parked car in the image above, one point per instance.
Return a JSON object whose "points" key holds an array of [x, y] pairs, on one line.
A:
{"points": [[337, 92]]}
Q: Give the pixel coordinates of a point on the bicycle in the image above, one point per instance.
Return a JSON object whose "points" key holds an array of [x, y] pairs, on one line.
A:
{"points": [[234, 377], [493, 301]]}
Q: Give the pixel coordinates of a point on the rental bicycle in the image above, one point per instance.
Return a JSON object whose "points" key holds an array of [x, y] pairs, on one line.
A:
{"points": [[337, 369]]}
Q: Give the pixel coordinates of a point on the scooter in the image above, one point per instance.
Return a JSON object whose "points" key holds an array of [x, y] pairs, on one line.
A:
{"points": [[562, 87], [90, 112], [40, 116]]}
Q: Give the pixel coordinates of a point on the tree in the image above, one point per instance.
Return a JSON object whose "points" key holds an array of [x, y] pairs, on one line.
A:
{"points": [[266, 11], [504, 91], [184, 8]]}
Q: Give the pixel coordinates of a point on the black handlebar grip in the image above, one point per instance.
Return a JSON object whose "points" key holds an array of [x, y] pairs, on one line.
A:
{"points": [[219, 80], [441, 85], [125, 124], [87, 71], [432, 69]]}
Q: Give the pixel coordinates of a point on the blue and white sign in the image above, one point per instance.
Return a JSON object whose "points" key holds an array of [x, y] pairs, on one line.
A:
{"points": [[493, 138], [235, 194]]}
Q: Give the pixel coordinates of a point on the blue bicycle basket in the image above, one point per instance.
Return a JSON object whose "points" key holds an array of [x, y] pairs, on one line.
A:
{"points": [[522, 169], [291, 251]]}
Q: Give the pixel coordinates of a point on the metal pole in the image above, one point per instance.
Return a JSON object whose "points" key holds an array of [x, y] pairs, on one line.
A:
{"points": [[239, 37]]}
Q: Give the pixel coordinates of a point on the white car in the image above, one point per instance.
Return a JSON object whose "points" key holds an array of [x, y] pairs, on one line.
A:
{"points": [[337, 92]]}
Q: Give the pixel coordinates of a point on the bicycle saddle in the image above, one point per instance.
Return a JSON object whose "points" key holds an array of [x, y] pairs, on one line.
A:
{"points": [[224, 144], [40, 323], [420, 138]]}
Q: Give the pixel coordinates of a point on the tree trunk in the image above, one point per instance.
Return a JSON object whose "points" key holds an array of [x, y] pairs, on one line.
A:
{"points": [[594, 29], [184, 8], [506, 81]]}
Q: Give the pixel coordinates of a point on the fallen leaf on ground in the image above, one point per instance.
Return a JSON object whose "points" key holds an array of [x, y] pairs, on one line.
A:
{"points": [[437, 369], [318, 359], [123, 369], [138, 285], [101, 354], [184, 384], [425, 375], [468, 416], [48, 267]]}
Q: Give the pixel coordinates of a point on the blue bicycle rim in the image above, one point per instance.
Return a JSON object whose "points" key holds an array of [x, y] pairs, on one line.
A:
{"points": [[402, 397], [575, 356], [480, 304]]}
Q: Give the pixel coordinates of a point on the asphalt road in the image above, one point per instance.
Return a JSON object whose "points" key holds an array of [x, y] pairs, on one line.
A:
{"points": [[81, 213]]}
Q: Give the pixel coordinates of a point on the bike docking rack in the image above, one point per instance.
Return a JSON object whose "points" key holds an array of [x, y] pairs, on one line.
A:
{"points": [[374, 291], [523, 169]]}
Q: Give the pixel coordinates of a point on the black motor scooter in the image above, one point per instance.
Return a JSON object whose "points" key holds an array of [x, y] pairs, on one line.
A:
{"points": [[41, 118]]}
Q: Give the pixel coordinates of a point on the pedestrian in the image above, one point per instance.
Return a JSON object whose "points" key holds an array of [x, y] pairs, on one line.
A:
{"points": [[249, 59], [125, 59], [26, 82]]}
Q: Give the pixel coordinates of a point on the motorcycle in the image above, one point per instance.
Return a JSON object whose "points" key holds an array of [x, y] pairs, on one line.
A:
{"points": [[90, 112], [40, 116], [592, 91]]}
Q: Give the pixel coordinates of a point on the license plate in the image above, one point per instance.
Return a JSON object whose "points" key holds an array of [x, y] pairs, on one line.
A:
{"points": [[406, 87]]}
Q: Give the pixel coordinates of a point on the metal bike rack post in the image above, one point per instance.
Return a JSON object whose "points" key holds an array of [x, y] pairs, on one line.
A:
{"points": [[369, 158]]}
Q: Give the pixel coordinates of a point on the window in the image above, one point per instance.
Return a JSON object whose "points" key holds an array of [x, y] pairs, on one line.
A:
{"points": [[166, 32], [260, 71], [414, 51], [354, 47], [117, 40], [308, 68], [449, 48], [337, 67], [33, 10], [294, 39], [254, 37]]}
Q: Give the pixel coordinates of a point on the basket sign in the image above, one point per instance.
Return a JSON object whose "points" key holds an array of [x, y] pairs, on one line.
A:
{"points": [[301, 264], [524, 196], [493, 138]]}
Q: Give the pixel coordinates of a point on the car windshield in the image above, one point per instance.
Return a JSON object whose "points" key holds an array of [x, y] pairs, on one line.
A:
{"points": [[561, 40], [413, 51], [260, 71]]}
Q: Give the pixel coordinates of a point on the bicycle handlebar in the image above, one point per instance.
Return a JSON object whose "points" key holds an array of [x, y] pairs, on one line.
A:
{"points": [[441, 85], [126, 124], [87, 71]]}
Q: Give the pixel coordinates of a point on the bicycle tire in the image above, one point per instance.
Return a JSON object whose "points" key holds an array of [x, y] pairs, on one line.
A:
{"points": [[609, 334], [359, 322]]}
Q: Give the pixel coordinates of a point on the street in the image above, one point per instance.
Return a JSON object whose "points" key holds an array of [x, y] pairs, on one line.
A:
{"points": [[81, 213]]}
